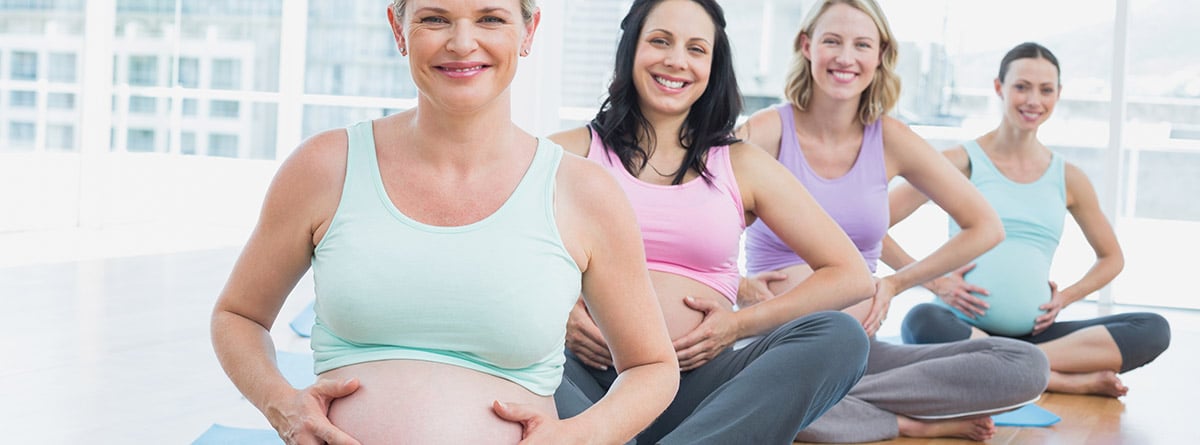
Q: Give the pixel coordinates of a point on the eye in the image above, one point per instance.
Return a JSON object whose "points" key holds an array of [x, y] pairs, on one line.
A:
{"points": [[698, 50], [864, 45], [1019, 87], [491, 19], [829, 42], [434, 20], [659, 41], [1048, 91]]}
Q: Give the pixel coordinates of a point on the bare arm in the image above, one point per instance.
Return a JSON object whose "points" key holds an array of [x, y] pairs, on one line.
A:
{"points": [[300, 197], [932, 175], [763, 130], [620, 298], [1085, 208], [840, 277]]}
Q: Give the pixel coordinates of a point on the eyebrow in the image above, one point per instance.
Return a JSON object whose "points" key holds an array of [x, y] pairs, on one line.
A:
{"points": [[702, 39], [484, 10]]}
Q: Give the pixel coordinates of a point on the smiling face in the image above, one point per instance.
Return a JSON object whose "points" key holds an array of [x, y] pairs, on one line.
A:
{"points": [[1030, 91], [844, 52], [463, 53], [674, 57]]}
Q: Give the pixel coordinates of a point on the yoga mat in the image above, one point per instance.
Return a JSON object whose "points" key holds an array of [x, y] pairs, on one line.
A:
{"points": [[1028, 415], [296, 367], [303, 323], [225, 435]]}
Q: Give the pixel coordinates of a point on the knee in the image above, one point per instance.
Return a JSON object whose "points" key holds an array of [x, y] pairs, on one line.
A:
{"points": [[1156, 332], [1030, 368], [1150, 336], [839, 336], [930, 323]]}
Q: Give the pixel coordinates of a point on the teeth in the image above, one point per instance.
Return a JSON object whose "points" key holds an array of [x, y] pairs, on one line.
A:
{"points": [[843, 75], [465, 70], [668, 83]]}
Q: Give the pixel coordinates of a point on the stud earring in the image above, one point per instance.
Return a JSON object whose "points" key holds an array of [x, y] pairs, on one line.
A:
{"points": [[403, 51], [525, 52]]}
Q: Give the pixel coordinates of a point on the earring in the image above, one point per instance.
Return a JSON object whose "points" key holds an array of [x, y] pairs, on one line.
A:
{"points": [[525, 52], [403, 51]]}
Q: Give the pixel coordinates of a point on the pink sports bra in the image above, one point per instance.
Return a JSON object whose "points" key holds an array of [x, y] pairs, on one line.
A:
{"points": [[692, 229]]}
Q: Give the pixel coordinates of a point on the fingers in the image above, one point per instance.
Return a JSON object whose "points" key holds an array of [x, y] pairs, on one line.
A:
{"points": [[963, 270], [771, 276], [591, 358], [514, 412], [334, 436], [704, 306], [692, 358], [329, 389]]}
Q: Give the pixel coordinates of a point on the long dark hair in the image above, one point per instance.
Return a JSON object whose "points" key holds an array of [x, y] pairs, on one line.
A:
{"points": [[1028, 50], [621, 124]]}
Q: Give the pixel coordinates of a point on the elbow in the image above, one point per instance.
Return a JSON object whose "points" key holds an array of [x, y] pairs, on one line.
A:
{"points": [[994, 234], [862, 284]]}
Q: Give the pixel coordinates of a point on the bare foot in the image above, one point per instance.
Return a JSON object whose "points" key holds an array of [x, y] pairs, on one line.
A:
{"points": [[977, 429], [1099, 383]]}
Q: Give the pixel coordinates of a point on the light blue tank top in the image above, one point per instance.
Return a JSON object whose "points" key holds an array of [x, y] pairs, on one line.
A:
{"points": [[492, 296], [857, 201], [1017, 271]]}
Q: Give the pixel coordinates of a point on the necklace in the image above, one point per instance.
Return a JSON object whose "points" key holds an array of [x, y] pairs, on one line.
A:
{"points": [[648, 164]]}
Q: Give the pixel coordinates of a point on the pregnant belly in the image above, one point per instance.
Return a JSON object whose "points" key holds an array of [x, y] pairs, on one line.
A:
{"points": [[1017, 279], [671, 290], [417, 402]]}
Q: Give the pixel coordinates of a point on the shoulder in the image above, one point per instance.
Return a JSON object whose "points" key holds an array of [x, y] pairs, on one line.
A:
{"points": [[576, 140], [1077, 183], [764, 129], [586, 184], [319, 162], [898, 134], [959, 157]]}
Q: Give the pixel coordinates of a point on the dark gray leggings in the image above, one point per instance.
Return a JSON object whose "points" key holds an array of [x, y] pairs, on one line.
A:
{"points": [[763, 393], [1140, 336]]}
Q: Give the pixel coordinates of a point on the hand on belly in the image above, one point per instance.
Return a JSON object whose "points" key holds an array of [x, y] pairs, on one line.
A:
{"points": [[410, 401]]}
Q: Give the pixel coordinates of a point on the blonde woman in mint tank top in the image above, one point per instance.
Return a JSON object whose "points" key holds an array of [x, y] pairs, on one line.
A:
{"points": [[1007, 291], [448, 247]]}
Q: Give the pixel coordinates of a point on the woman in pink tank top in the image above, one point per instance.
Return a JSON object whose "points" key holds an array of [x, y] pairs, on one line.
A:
{"points": [[665, 133]]}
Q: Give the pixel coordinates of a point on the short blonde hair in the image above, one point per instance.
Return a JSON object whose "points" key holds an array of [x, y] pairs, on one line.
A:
{"points": [[527, 8], [884, 91]]}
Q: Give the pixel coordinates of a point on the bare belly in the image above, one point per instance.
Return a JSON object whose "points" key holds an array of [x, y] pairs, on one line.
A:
{"points": [[795, 275], [671, 290], [418, 402]]}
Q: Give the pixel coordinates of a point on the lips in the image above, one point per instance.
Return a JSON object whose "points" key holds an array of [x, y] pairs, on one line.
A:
{"points": [[462, 69], [674, 84]]}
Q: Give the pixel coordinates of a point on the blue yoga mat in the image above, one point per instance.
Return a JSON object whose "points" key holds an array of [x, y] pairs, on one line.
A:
{"points": [[225, 435], [303, 323], [297, 368], [1028, 415]]}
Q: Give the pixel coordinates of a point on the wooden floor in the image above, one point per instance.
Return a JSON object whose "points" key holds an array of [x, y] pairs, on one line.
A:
{"points": [[117, 351]]}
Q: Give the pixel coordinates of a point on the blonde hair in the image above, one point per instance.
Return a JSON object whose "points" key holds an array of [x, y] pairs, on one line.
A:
{"points": [[527, 8], [883, 92]]}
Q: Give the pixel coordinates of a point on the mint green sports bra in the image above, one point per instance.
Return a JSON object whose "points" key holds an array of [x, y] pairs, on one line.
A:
{"points": [[492, 296]]}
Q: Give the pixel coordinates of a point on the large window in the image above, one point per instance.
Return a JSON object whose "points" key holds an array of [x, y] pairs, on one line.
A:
{"points": [[248, 80]]}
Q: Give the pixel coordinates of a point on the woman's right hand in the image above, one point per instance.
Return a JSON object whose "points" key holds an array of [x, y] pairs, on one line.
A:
{"points": [[956, 292], [304, 419], [585, 340]]}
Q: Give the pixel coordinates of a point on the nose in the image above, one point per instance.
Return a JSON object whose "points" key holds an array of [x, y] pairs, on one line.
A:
{"points": [[844, 56], [676, 58], [462, 41]]}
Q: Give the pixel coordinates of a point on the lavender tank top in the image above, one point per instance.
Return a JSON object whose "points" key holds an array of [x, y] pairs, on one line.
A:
{"points": [[857, 200]]}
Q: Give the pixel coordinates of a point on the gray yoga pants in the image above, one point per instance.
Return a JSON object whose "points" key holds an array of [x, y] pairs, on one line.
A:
{"points": [[1140, 336], [763, 393], [948, 380]]}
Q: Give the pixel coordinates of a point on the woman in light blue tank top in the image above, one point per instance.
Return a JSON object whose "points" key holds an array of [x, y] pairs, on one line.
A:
{"points": [[448, 247], [1007, 291]]}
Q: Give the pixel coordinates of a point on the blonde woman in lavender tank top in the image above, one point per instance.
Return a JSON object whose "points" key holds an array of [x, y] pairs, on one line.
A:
{"points": [[833, 134]]}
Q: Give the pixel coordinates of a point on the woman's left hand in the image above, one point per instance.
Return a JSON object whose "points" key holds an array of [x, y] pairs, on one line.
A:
{"points": [[712, 336], [539, 428], [1052, 308], [880, 303]]}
